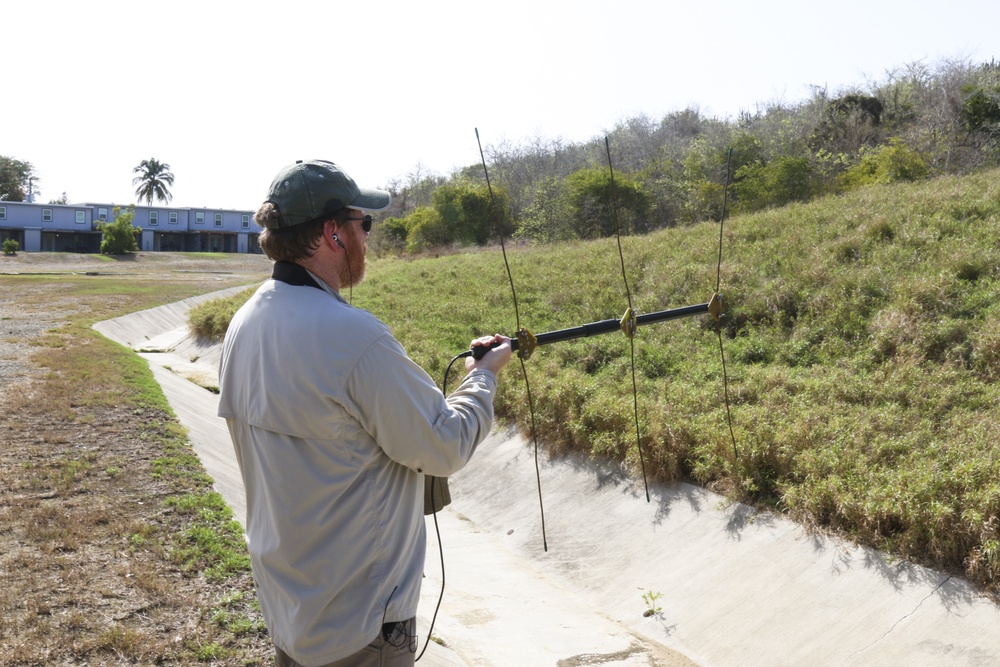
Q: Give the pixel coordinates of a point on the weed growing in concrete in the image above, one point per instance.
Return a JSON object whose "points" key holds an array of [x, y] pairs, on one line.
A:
{"points": [[650, 598]]}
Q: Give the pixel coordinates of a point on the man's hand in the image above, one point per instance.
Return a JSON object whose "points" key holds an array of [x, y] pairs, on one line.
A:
{"points": [[495, 359]]}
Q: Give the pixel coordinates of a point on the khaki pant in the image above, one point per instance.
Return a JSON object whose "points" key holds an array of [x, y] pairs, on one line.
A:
{"points": [[395, 646]]}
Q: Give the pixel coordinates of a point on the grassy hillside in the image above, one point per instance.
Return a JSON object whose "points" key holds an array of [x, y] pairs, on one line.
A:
{"points": [[863, 347]]}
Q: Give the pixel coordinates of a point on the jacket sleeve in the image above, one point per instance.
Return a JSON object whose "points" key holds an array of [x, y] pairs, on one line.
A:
{"points": [[401, 407]]}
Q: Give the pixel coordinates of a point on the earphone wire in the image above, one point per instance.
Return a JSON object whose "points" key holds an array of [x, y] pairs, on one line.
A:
{"points": [[437, 607], [437, 530], [350, 274]]}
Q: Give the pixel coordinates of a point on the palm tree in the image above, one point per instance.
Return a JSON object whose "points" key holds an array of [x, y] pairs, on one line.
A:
{"points": [[153, 179]]}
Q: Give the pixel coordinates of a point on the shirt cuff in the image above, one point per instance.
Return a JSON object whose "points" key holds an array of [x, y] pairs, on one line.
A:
{"points": [[483, 377]]}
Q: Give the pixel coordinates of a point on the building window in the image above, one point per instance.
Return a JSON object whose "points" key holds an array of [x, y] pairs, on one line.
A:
{"points": [[245, 221], [102, 214], [154, 218], [46, 215], [173, 217], [81, 217], [199, 217], [218, 219], [3, 212]]}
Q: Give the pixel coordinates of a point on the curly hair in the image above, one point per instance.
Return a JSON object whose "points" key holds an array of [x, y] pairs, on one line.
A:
{"points": [[291, 243]]}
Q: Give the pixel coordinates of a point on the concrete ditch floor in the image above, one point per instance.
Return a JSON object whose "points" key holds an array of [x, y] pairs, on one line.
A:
{"points": [[736, 587]]}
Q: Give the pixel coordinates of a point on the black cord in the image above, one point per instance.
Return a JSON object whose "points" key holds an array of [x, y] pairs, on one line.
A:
{"points": [[437, 531], [437, 528], [385, 609], [350, 276], [397, 634], [444, 385]]}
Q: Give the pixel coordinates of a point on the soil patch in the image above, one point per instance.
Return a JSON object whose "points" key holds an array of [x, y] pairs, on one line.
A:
{"points": [[93, 533]]}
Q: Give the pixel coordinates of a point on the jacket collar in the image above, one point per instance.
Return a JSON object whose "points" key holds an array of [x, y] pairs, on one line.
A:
{"points": [[293, 274]]}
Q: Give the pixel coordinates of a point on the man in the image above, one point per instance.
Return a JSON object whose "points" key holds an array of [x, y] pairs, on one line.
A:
{"points": [[334, 429]]}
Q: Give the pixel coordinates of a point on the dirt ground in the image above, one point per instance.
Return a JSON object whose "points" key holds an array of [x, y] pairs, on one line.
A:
{"points": [[89, 565]]}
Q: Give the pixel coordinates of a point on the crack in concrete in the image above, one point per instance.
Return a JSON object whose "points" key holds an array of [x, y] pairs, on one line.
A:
{"points": [[901, 619]]}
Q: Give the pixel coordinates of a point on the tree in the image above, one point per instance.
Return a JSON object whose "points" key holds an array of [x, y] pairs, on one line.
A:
{"points": [[548, 218], [981, 110], [466, 210], [849, 123], [704, 171], [981, 107], [425, 229], [590, 198], [924, 108], [15, 178], [119, 236], [153, 179]]}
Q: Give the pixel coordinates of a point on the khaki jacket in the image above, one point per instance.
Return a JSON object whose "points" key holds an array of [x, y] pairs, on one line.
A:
{"points": [[334, 428]]}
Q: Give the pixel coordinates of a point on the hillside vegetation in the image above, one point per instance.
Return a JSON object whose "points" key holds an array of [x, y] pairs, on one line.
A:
{"points": [[862, 343], [917, 121]]}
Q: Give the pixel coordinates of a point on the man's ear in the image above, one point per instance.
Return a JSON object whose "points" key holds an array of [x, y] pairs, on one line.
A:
{"points": [[330, 230]]}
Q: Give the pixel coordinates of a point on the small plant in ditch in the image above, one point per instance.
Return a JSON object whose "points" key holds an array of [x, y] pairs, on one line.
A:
{"points": [[650, 598]]}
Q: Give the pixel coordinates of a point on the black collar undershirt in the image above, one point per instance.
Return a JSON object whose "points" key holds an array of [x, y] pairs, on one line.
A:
{"points": [[293, 274]]}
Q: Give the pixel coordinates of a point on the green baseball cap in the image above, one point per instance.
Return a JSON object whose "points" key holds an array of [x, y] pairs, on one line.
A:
{"points": [[311, 189]]}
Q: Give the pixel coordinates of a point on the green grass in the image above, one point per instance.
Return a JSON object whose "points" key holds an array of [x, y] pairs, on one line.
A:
{"points": [[863, 341], [210, 319], [96, 371], [211, 255], [230, 614]]}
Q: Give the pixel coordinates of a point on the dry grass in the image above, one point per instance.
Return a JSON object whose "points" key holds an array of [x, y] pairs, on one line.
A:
{"points": [[97, 561]]}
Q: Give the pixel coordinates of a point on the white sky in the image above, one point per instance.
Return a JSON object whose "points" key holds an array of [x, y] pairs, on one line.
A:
{"points": [[227, 93]]}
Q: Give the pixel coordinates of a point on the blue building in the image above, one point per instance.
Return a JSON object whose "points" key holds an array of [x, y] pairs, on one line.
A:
{"points": [[74, 228]]}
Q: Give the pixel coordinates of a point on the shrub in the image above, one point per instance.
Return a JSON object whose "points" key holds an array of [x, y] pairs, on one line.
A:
{"points": [[780, 182], [119, 236], [388, 237], [426, 229], [10, 247], [704, 202], [467, 213], [887, 164]]}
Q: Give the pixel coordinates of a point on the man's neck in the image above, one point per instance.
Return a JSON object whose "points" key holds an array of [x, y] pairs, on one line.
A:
{"points": [[322, 269]]}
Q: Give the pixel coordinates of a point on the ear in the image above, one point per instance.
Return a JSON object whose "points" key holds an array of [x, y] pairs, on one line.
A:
{"points": [[330, 234]]}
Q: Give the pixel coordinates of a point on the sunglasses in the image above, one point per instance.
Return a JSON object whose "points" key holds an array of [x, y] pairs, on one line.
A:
{"points": [[366, 222]]}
